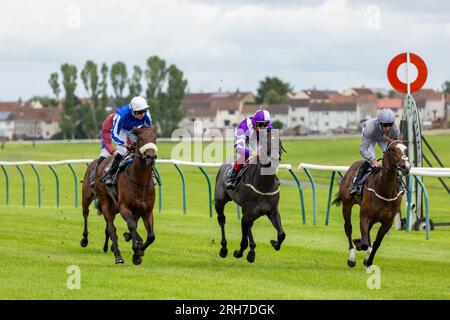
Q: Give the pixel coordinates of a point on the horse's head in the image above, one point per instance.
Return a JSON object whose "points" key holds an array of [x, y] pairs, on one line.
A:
{"points": [[395, 155], [145, 146], [271, 148]]}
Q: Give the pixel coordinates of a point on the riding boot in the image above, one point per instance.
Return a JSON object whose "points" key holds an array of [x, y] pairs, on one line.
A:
{"points": [[357, 182], [230, 183], [111, 175]]}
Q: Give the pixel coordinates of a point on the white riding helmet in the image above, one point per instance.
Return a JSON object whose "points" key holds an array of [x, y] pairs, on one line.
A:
{"points": [[138, 103], [386, 116]]}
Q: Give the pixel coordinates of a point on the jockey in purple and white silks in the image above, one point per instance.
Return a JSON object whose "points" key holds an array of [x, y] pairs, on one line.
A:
{"points": [[373, 133], [246, 134]]}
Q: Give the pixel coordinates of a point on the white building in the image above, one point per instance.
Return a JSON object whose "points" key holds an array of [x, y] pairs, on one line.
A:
{"points": [[333, 117], [6, 125]]}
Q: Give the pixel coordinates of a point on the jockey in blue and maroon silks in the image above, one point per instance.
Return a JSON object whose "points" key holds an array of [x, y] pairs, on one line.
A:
{"points": [[247, 132]]}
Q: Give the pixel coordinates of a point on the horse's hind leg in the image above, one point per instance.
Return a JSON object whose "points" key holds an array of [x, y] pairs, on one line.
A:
{"points": [[109, 218], [220, 205], [380, 235], [347, 213], [87, 199], [105, 246], [275, 218], [251, 254]]}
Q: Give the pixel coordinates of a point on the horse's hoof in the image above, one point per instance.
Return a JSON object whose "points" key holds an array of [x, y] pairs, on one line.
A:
{"points": [[223, 252], [351, 263], [251, 256], [84, 243], [357, 243], [119, 260], [105, 249], [237, 254], [137, 260], [127, 236], [275, 245]]}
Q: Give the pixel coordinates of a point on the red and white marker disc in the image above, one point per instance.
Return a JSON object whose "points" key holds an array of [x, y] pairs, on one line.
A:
{"points": [[401, 86]]}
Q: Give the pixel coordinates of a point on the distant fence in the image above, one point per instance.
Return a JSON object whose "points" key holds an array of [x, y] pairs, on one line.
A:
{"points": [[176, 163], [431, 172]]}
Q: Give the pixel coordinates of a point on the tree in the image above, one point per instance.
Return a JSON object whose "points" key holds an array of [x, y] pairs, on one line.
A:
{"points": [[391, 93], [89, 75], [165, 106], [277, 124], [273, 90], [46, 101], [69, 119], [134, 84], [446, 89], [103, 87], [119, 79], [54, 84]]}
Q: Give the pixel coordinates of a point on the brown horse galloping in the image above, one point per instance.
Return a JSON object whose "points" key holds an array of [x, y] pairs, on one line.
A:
{"points": [[135, 192], [381, 199]]}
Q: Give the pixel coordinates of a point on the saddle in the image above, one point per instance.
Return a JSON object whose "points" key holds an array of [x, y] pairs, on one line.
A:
{"points": [[240, 176], [122, 165]]}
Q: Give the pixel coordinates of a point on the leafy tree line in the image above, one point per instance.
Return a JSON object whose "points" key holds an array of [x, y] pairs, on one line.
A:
{"points": [[82, 118]]}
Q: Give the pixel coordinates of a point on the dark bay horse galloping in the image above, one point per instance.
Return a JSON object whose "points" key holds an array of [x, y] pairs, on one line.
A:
{"points": [[381, 199], [258, 194], [135, 196]]}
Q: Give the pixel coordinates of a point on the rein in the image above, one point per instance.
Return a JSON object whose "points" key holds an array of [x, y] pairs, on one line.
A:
{"points": [[388, 168], [260, 192]]}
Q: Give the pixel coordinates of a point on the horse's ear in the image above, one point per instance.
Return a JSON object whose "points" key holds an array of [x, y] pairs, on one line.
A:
{"points": [[154, 127], [389, 140], [136, 131]]}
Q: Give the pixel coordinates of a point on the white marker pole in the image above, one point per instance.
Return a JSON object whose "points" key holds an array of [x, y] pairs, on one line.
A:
{"points": [[407, 73]]}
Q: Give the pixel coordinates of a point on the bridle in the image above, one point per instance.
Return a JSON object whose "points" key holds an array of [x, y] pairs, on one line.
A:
{"points": [[388, 152], [397, 169]]}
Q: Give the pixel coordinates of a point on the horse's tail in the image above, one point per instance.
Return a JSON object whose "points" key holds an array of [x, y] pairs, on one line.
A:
{"points": [[338, 200]]}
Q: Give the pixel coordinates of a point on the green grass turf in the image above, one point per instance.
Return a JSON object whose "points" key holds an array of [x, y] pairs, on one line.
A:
{"points": [[37, 245]]}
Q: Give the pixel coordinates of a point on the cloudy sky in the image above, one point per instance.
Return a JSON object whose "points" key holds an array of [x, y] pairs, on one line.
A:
{"points": [[330, 44]]}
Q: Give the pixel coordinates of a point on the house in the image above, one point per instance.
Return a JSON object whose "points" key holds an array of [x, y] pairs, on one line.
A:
{"points": [[431, 106], [314, 95], [395, 104], [29, 120], [298, 113], [334, 117], [220, 110], [358, 92], [6, 126]]}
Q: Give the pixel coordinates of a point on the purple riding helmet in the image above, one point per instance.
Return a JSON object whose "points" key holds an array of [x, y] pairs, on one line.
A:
{"points": [[261, 119]]}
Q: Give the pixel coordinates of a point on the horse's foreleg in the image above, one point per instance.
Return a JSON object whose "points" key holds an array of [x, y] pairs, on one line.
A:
{"points": [[221, 219], [148, 223], [246, 224], [363, 243], [380, 235], [251, 254], [369, 249], [127, 215], [275, 218], [347, 213]]}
